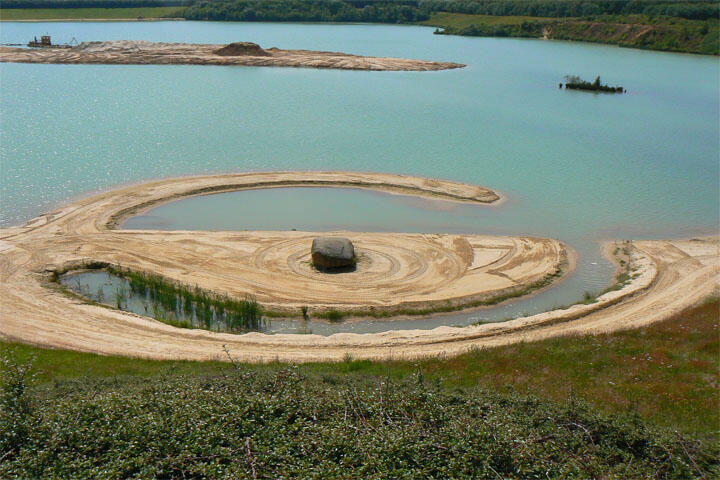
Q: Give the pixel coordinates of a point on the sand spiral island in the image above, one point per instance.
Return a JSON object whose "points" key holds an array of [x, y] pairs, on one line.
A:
{"points": [[394, 271]]}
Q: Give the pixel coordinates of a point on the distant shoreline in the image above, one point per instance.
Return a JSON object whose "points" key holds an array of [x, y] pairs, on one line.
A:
{"points": [[672, 34], [43, 20]]}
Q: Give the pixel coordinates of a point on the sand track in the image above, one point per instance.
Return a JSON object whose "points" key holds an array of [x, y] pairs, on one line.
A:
{"points": [[126, 52], [399, 270]]}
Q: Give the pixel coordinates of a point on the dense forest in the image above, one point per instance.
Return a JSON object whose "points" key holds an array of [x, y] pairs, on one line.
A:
{"points": [[302, 10]]}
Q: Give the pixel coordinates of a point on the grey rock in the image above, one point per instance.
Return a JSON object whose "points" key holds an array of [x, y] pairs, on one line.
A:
{"points": [[333, 252]]}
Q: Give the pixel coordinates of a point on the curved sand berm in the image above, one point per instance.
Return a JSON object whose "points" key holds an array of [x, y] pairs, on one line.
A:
{"points": [[422, 268], [394, 271], [136, 52]]}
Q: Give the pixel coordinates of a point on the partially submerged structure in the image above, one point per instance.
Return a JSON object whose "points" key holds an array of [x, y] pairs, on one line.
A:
{"points": [[46, 42]]}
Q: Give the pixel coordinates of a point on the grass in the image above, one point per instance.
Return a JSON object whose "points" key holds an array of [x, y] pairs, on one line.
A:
{"points": [[666, 373], [346, 420], [51, 366], [89, 13], [463, 20], [250, 314], [331, 315], [285, 424]]}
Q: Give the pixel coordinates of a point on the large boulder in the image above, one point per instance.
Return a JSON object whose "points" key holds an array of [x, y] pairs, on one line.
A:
{"points": [[242, 49], [333, 252]]}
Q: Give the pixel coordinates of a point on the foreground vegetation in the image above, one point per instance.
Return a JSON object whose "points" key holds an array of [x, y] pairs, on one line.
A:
{"points": [[594, 406]]}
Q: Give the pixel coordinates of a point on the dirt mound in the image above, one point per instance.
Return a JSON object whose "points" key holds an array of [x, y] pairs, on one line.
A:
{"points": [[238, 49]]}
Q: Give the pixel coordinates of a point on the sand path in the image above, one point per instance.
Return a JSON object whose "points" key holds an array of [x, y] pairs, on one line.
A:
{"points": [[669, 276]]}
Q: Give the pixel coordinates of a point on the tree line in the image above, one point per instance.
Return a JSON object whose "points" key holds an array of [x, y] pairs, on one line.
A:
{"points": [[396, 11], [689, 9], [307, 11], [389, 11]]}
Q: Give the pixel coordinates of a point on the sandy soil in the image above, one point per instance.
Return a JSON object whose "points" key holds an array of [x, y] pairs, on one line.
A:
{"points": [[143, 52], [668, 276]]}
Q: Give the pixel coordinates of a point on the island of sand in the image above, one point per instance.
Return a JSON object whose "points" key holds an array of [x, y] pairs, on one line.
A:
{"points": [[394, 271], [126, 52]]}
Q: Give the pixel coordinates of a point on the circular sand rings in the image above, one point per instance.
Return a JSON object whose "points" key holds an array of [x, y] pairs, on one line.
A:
{"points": [[393, 272]]}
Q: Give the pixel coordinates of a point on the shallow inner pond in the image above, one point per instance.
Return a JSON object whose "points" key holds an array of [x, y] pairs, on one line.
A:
{"points": [[179, 307]]}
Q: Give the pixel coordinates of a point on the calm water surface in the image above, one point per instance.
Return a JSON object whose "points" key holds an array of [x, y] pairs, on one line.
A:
{"points": [[575, 166]]}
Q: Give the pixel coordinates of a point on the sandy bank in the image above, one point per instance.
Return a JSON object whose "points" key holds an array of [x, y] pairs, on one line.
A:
{"points": [[127, 52]]}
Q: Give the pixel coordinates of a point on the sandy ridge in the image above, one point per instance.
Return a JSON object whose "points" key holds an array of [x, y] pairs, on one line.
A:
{"points": [[394, 271], [125, 52]]}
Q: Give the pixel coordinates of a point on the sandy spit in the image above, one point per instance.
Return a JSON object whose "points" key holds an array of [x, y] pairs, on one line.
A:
{"points": [[127, 52]]}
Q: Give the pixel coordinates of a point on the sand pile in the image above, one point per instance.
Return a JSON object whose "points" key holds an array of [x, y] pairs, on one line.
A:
{"points": [[238, 49]]}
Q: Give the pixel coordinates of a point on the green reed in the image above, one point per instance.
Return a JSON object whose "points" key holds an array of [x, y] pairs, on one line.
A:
{"points": [[210, 309]]}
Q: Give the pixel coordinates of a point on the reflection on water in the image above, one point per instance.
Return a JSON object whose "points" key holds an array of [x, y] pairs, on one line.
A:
{"points": [[178, 307]]}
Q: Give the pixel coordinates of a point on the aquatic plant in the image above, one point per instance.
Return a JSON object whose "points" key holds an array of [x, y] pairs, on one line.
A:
{"points": [[119, 297], [331, 315], [172, 301]]}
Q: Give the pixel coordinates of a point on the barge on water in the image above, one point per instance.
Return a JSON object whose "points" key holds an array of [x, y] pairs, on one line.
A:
{"points": [[46, 42]]}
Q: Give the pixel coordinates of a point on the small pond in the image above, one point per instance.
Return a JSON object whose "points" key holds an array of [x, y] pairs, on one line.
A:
{"points": [[184, 307]]}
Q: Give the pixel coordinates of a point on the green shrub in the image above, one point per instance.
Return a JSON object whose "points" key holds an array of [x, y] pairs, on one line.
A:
{"points": [[282, 423]]}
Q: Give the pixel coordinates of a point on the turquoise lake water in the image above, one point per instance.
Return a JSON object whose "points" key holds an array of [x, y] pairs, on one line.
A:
{"points": [[575, 166]]}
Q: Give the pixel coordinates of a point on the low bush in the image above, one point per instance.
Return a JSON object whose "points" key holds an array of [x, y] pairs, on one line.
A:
{"points": [[285, 424]]}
